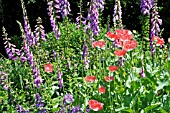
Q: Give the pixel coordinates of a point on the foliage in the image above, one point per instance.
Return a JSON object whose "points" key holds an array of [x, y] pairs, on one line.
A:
{"points": [[71, 76]]}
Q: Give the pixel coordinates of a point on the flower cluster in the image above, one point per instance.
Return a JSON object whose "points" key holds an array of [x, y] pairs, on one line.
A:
{"points": [[80, 19], [146, 6], [76, 109], [120, 53], [54, 54], [124, 40]]}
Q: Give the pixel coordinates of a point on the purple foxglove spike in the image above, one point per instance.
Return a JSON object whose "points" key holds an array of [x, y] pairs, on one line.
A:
{"points": [[146, 6], [55, 54], [85, 51]]}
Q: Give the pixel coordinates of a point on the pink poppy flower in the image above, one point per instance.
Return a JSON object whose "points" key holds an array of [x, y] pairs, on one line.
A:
{"points": [[124, 35], [102, 89], [48, 68], [109, 78], [113, 68], [120, 53], [90, 79], [111, 36], [99, 44], [95, 105]]}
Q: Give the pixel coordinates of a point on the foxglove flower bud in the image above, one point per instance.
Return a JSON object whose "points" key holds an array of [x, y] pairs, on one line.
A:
{"points": [[60, 79], [142, 74]]}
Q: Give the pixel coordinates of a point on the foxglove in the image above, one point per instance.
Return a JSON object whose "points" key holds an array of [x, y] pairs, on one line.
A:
{"points": [[117, 15], [146, 6], [53, 19]]}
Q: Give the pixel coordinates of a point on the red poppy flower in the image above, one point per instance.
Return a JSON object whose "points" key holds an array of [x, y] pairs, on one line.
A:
{"points": [[134, 44], [90, 79], [129, 45], [113, 68], [154, 38], [124, 35], [120, 53], [99, 44], [48, 68], [109, 78], [159, 41], [95, 105], [102, 89], [120, 43], [111, 36]]}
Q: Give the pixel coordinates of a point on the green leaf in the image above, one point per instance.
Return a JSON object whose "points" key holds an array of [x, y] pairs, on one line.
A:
{"points": [[161, 85], [129, 110], [120, 109], [151, 107]]}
